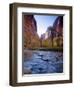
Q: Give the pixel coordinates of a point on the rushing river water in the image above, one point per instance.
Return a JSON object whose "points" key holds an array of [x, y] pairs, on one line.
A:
{"points": [[39, 62]]}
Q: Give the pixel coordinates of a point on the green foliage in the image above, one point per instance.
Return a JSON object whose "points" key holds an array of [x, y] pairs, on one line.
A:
{"points": [[47, 43]]}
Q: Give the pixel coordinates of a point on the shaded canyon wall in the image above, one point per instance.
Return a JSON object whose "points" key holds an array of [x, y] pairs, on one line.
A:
{"points": [[31, 38]]}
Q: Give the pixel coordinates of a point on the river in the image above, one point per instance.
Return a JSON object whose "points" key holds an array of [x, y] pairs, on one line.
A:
{"points": [[40, 62]]}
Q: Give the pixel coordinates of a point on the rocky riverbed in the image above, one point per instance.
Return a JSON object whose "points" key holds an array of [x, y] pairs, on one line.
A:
{"points": [[40, 62]]}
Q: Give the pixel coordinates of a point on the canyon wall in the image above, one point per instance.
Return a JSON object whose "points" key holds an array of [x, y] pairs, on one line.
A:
{"points": [[58, 26], [53, 37], [31, 38]]}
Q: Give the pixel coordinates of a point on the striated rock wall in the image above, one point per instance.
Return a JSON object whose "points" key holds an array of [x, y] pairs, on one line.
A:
{"points": [[53, 37], [31, 38], [58, 26]]}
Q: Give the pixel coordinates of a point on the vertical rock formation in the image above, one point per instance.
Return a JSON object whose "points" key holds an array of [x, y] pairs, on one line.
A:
{"points": [[47, 38], [31, 38], [53, 37], [58, 26]]}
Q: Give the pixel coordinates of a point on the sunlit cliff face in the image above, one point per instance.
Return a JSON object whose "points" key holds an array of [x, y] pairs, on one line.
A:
{"points": [[30, 23]]}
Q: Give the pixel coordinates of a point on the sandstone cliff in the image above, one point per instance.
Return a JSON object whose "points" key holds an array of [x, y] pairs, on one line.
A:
{"points": [[31, 38], [58, 26], [53, 37]]}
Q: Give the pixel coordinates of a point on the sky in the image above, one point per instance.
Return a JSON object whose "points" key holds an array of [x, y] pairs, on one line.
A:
{"points": [[43, 22]]}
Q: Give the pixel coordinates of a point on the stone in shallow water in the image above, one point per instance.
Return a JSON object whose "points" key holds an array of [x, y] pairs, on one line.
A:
{"points": [[51, 69], [44, 62], [35, 56], [39, 68], [58, 66], [27, 71], [46, 58]]}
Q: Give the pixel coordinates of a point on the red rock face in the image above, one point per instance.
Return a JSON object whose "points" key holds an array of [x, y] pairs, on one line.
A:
{"points": [[30, 22], [31, 38]]}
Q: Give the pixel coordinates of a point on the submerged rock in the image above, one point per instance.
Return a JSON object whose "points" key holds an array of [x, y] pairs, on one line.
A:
{"points": [[46, 64], [27, 71]]}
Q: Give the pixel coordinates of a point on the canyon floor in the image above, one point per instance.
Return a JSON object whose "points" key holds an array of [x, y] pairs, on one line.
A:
{"points": [[41, 62]]}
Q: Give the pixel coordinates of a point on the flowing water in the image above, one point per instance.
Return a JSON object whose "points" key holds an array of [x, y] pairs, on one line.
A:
{"points": [[39, 62]]}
